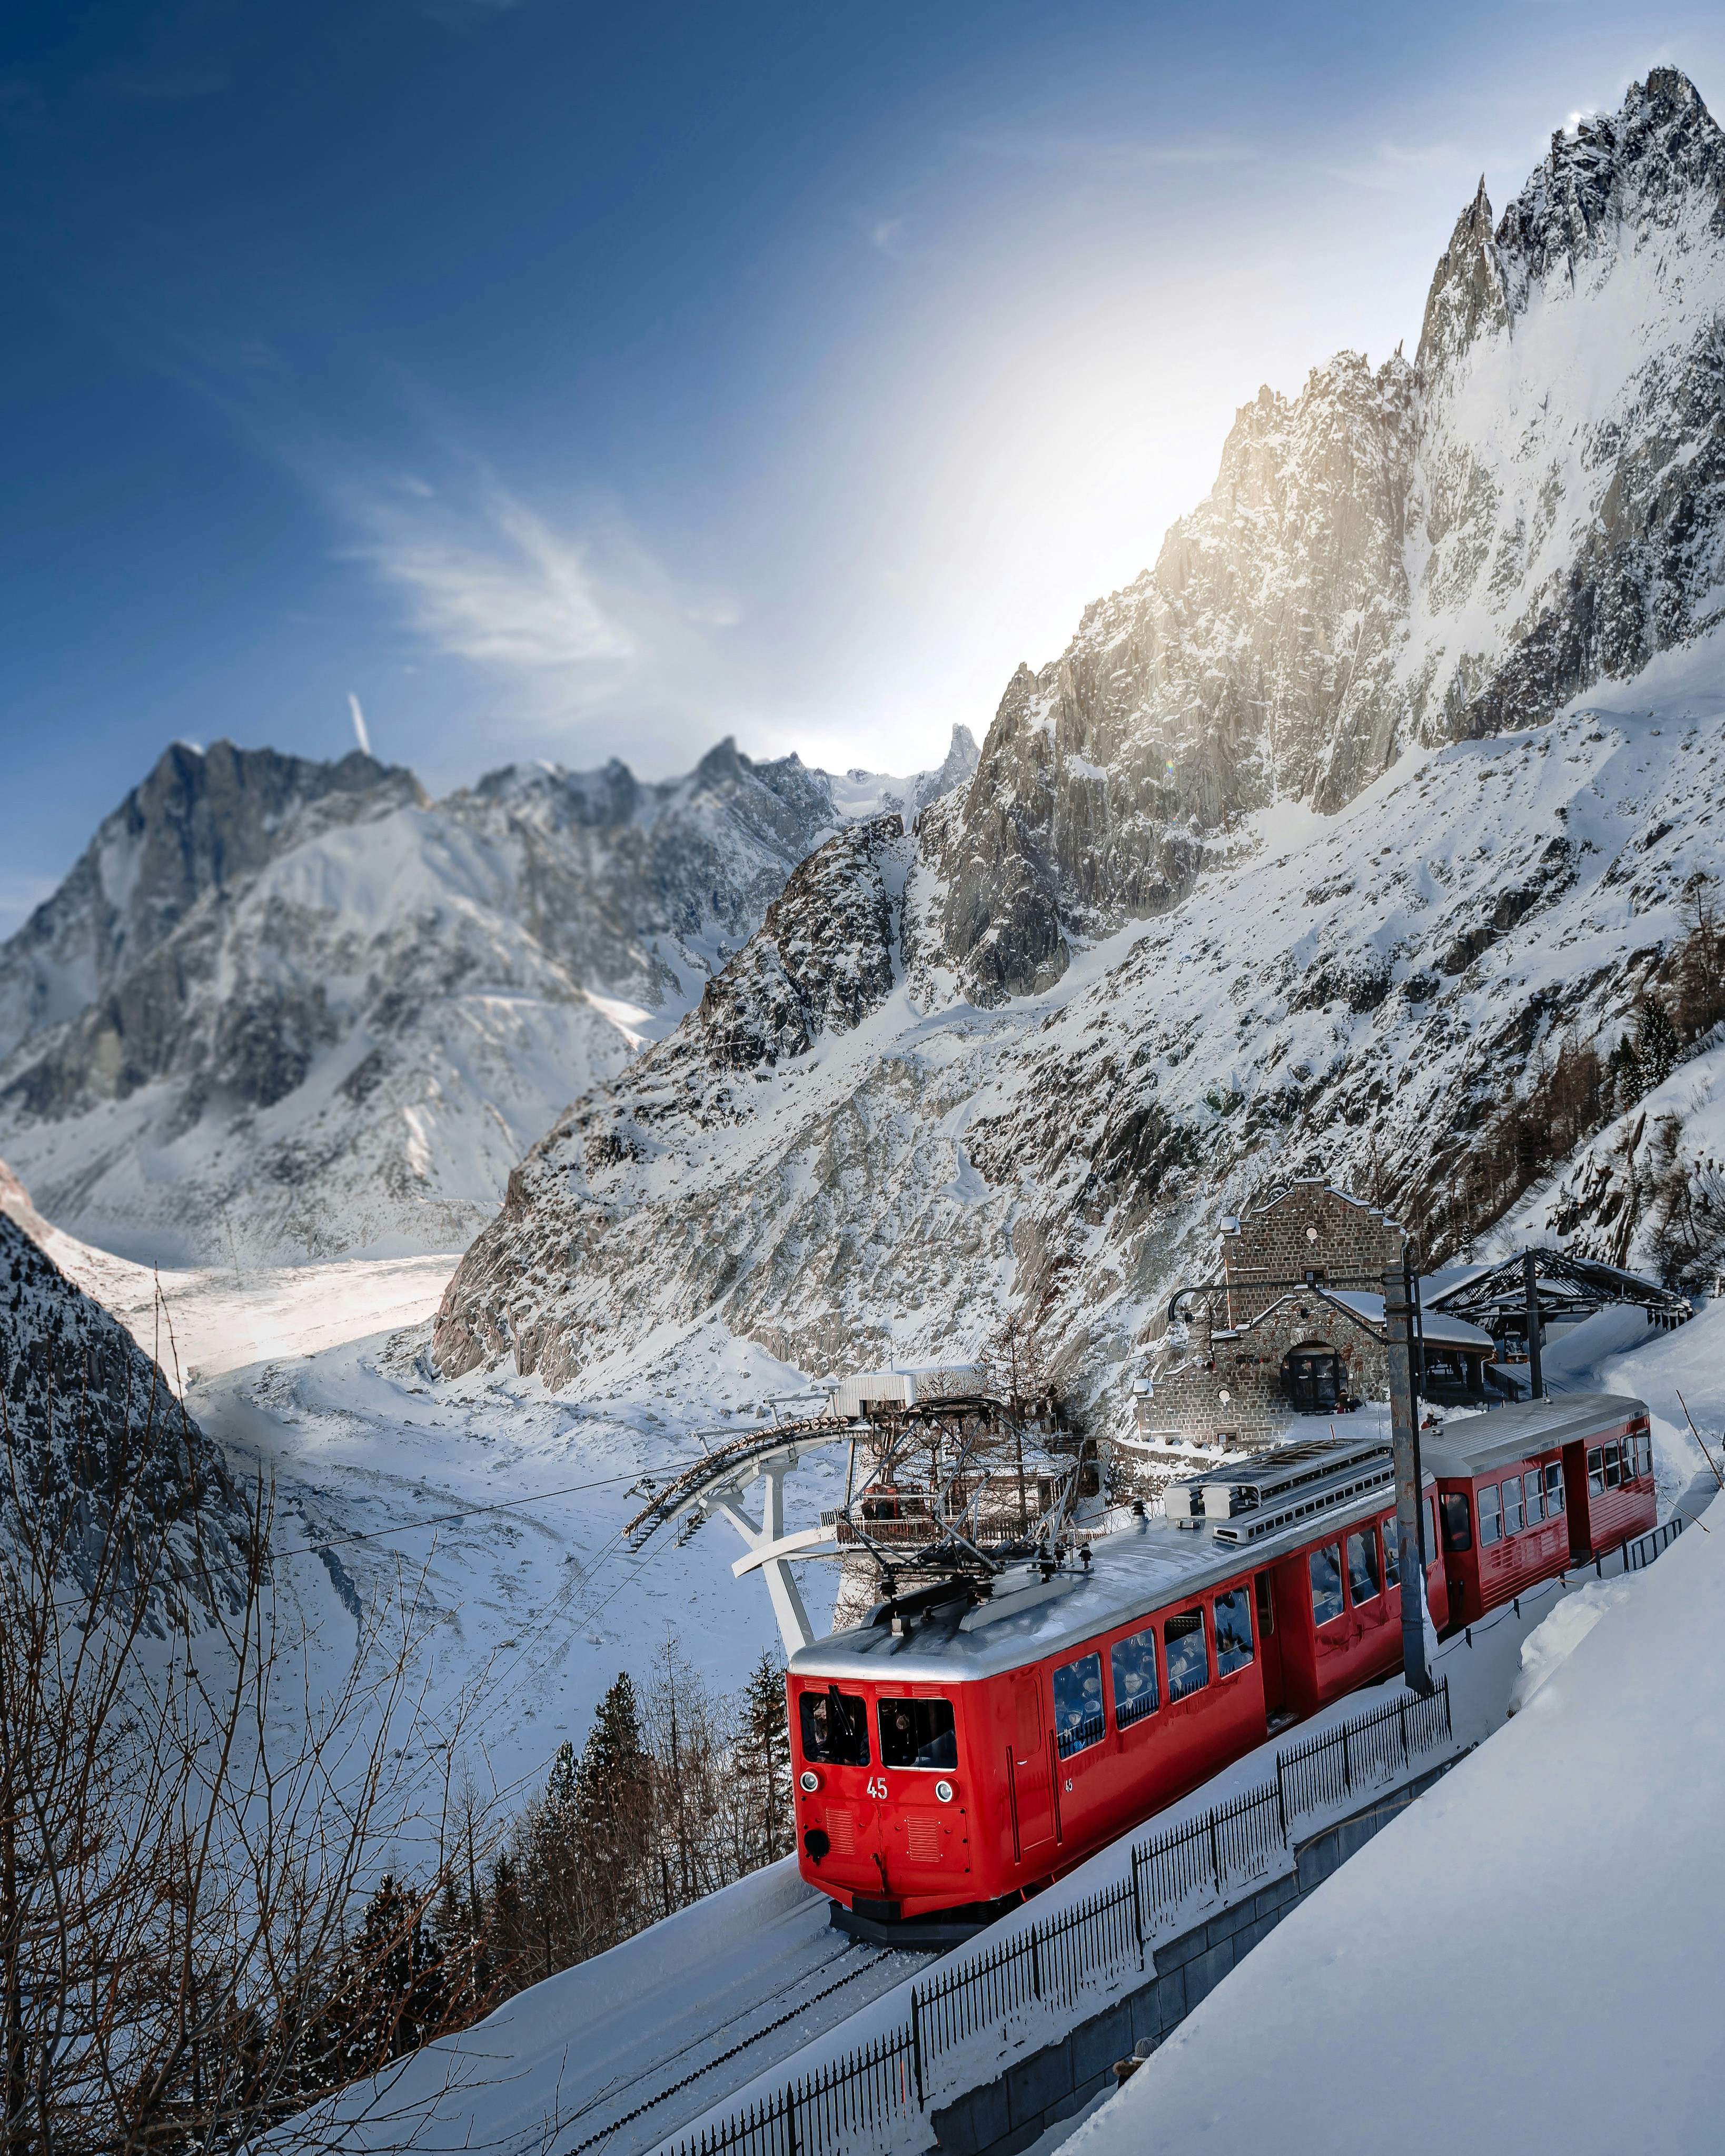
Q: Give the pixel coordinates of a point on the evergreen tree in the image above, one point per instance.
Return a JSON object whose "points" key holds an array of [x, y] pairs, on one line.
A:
{"points": [[392, 1996], [1656, 1039], [766, 1749]]}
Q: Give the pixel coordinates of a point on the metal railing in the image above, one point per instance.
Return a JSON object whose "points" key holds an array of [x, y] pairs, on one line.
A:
{"points": [[871, 2092]]}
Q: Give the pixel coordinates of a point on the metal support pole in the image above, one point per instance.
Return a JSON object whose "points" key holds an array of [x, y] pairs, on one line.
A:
{"points": [[1404, 1444], [1536, 1373]]}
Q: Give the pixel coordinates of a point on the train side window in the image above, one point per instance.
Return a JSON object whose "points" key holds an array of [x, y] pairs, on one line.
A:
{"points": [[1491, 1520], [1266, 1603], [917, 1732], [1595, 1472], [1511, 1504], [1325, 1565], [1363, 1584], [1078, 1704], [1233, 1632], [1533, 1486], [1554, 1488], [1392, 1552], [1431, 1531], [1132, 1665], [1458, 1524], [835, 1727], [1614, 1470], [1189, 1662]]}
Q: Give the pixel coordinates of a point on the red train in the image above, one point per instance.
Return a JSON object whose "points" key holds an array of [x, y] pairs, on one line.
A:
{"points": [[952, 1754]]}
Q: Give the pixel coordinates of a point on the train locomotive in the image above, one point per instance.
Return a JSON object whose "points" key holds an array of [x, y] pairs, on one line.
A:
{"points": [[976, 1737]]}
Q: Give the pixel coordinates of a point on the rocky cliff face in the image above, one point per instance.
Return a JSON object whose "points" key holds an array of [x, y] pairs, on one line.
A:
{"points": [[289, 1009], [100, 1459], [1348, 968], [1411, 555]]}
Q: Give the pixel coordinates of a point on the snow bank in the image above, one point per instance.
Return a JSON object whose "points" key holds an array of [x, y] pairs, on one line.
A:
{"points": [[1531, 1958]]}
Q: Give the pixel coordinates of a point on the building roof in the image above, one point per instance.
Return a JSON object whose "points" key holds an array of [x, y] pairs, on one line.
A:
{"points": [[1438, 1330]]}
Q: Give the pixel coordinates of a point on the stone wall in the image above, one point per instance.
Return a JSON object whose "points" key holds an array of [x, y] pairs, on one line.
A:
{"points": [[1310, 1225], [1228, 1390]]}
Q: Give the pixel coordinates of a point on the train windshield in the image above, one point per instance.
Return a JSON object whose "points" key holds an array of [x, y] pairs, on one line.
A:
{"points": [[917, 1732], [835, 1728]]}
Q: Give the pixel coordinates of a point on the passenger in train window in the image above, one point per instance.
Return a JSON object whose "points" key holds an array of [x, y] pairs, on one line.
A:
{"points": [[1078, 1704], [1534, 1488], [835, 1728], [1132, 1663], [1392, 1552], [1511, 1504], [1362, 1581], [1595, 1472], [1491, 1523], [1458, 1526], [1325, 1565], [1234, 1631], [1554, 1488], [917, 1732], [1189, 1662]]}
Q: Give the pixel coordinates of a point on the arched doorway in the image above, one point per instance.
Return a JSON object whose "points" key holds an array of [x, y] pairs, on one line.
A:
{"points": [[1311, 1378]]}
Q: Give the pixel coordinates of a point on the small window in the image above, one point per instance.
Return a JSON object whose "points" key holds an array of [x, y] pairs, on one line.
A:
{"points": [[1326, 1568], [1078, 1704], [1458, 1523], [1267, 1604], [1490, 1521], [1392, 1552], [1431, 1531], [1189, 1662], [1554, 1488], [1233, 1632], [1363, 1583], [1133, 1664], [1533, 1488], [917, 1732], [835, 1728], [1595, 1472], [1512, 1504], [1614, 1469]]}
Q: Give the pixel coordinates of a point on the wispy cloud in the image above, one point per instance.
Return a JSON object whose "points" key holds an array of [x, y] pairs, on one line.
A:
{"points": [[1399, 168], [1079, 153], [491, 581]]}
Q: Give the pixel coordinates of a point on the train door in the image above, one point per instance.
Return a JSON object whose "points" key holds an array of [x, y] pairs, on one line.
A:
{"points": [[1032, 1785], [1276, 1697], [1575, 1503]]}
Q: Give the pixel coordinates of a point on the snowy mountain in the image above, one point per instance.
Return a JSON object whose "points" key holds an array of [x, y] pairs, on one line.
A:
{"points": [[1338, 844], [289, 1008]]}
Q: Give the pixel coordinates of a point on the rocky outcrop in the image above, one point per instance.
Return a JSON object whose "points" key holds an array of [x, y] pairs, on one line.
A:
{"points": [[593, 1215], [102, 1464], [1422, 552]]}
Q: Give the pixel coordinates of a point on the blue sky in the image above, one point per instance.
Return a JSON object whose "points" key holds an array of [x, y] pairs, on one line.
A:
{"points": [[569, 380]]}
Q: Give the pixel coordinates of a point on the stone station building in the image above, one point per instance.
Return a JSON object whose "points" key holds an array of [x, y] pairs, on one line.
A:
{"points": [[1258, 1357]]}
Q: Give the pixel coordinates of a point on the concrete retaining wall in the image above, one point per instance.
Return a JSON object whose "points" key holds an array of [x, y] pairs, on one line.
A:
{"points": [[1008, 2114]]}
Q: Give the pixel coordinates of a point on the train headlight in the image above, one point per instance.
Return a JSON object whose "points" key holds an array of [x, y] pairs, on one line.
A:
{"points": [[944, 1790], [807, 1782]]}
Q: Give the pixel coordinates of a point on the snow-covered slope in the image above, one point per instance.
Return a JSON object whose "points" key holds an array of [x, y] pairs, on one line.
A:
{"points": [[282, 1009], [1348, 995]]}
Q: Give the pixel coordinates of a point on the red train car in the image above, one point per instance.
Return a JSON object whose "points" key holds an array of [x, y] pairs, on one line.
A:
{"points": [[954, 1752], [1527, 1491]]}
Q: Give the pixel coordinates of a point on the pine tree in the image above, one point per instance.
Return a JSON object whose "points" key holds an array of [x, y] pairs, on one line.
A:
{"points": [[614, 1808], [1656, 1039], [391, 1997], [766, 1749]]}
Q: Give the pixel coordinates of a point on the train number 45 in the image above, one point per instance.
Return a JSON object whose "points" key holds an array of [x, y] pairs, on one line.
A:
{"points": [[877, 1787]]}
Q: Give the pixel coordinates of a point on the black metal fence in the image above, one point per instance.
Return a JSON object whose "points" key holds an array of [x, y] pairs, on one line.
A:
{"points": [[868, 2092]]}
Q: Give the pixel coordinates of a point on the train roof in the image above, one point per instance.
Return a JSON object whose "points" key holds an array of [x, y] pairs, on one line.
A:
{"points": [[1276, 1502], [1474, 1444]]}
